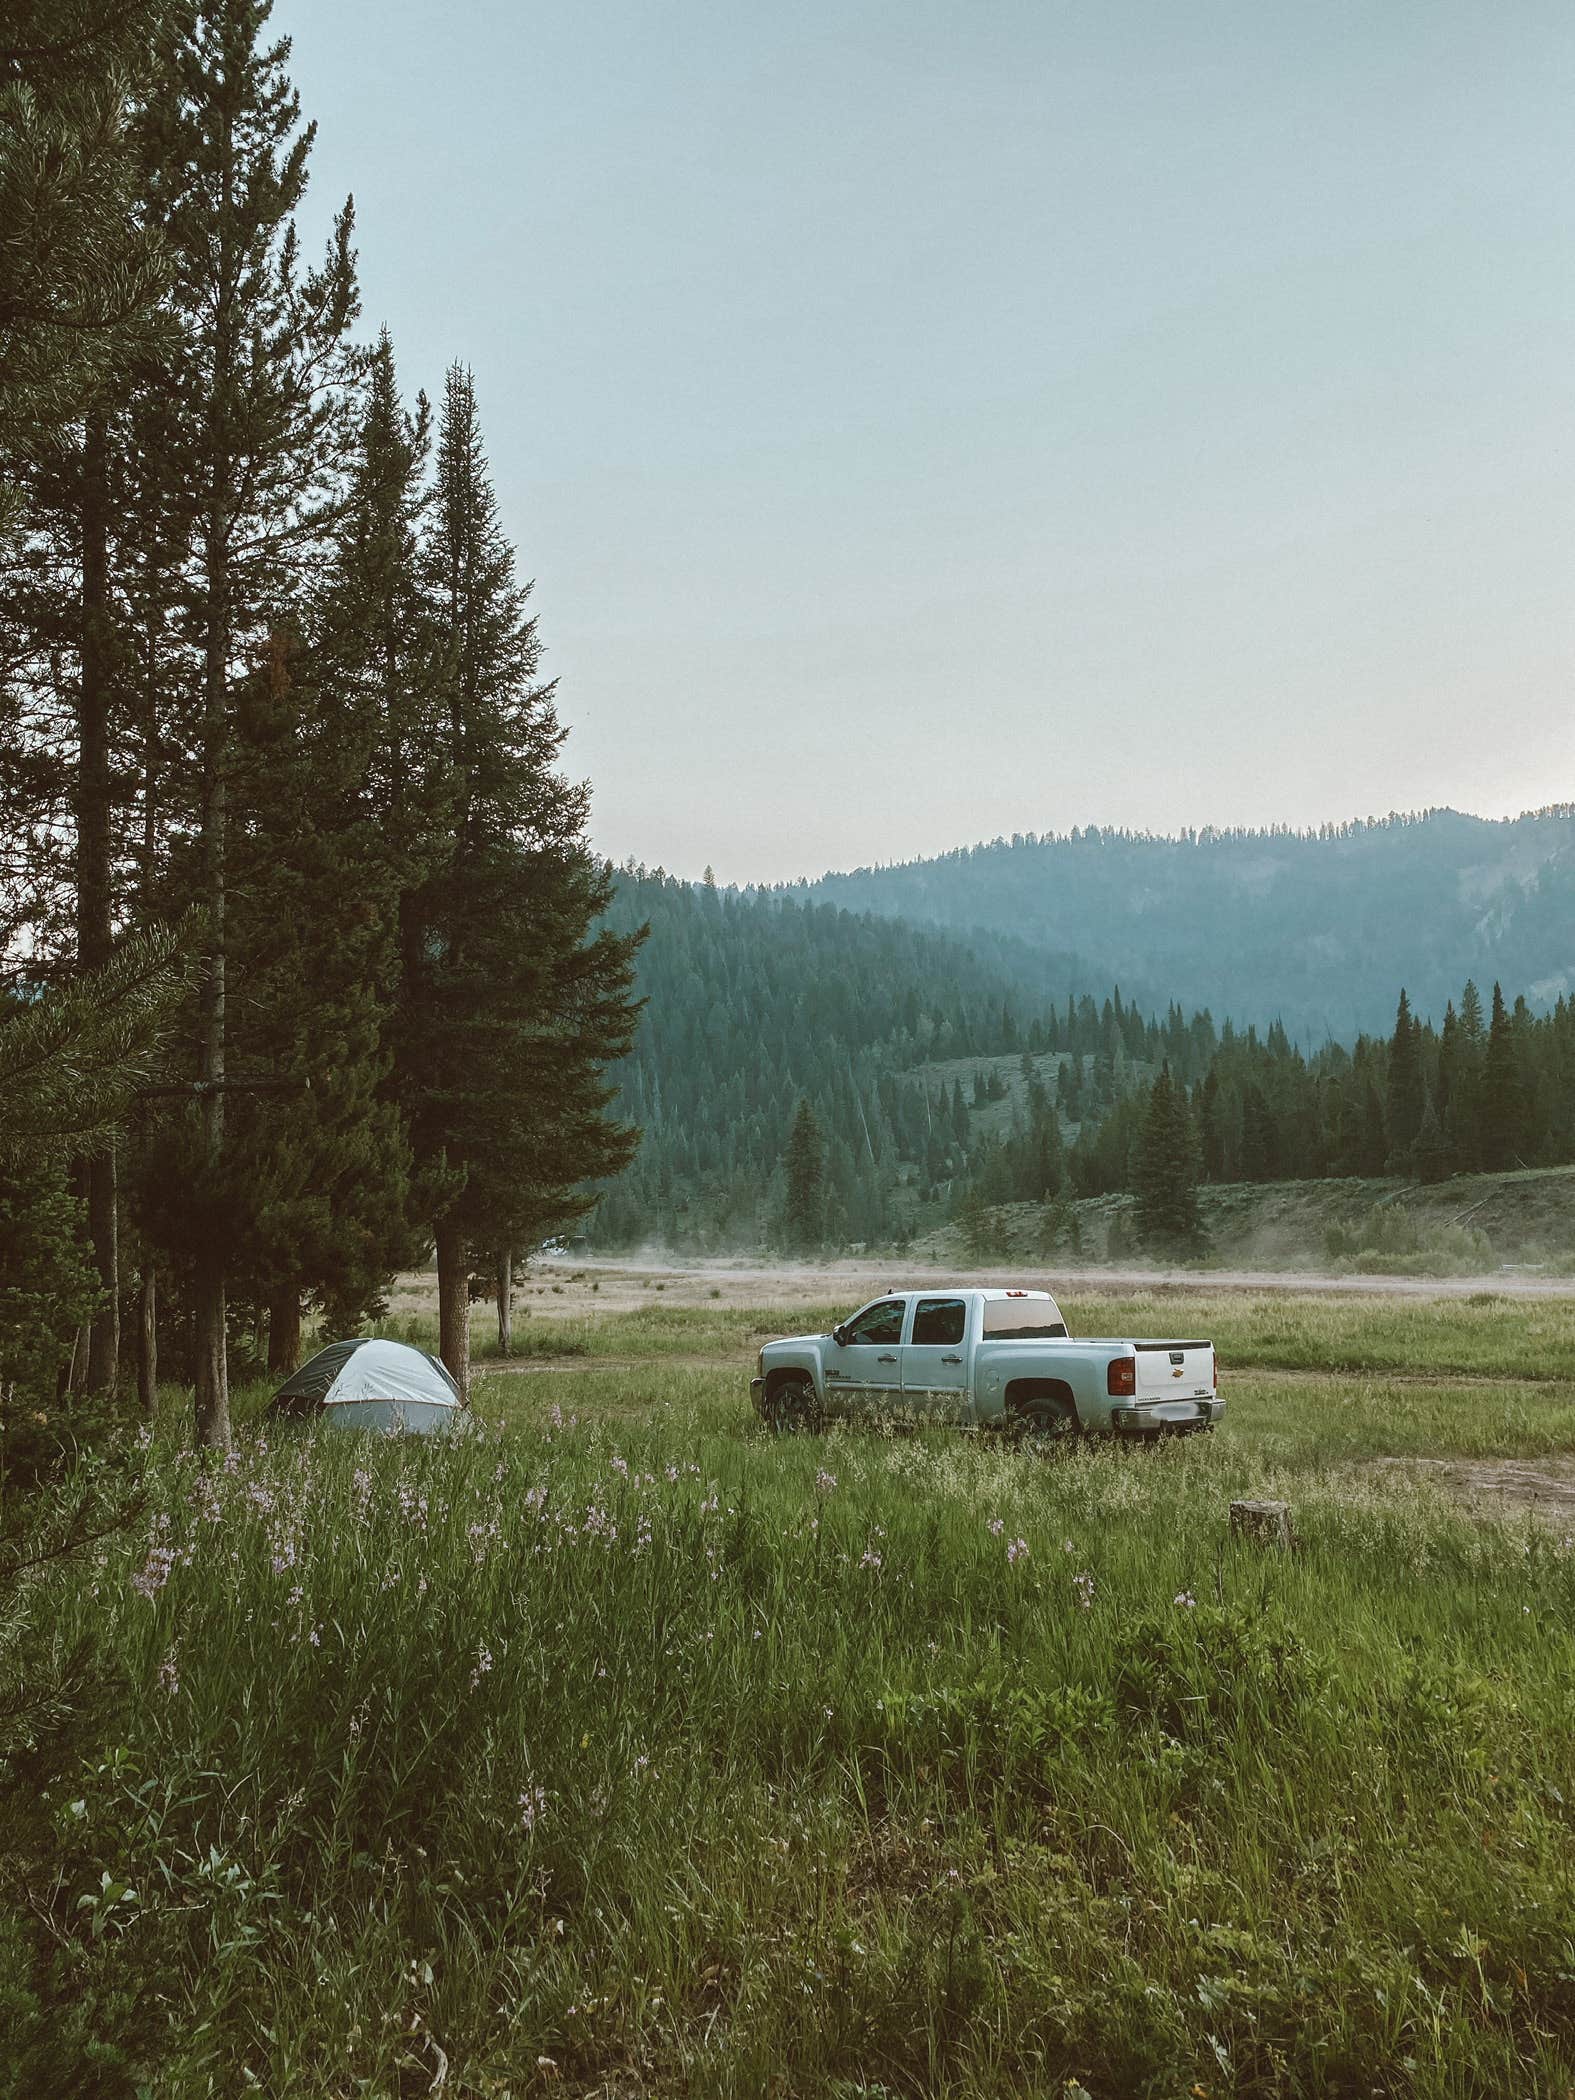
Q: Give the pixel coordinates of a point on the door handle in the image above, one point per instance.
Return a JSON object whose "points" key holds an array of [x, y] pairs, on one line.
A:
{"points": [[951, 1359], [885, 1359]]}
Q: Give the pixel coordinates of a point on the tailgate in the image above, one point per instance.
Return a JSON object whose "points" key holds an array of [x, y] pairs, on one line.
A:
{"points": [[1174, 1370]]}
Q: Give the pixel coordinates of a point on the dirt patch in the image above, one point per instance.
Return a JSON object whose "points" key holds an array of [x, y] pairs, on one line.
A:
{"points": [[1498, 1487]]}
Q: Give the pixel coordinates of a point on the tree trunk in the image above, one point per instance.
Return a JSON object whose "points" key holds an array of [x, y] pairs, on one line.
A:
{"points": [[212, 1363], [147, 1339], [284, 1332], [103, 1350], [212, 1383], [505, 1305], [454, 1306], [95, 927], [211, 1369]]}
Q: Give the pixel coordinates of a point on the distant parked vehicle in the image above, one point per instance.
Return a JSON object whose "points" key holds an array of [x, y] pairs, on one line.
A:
{"points": [[997, 1358]]}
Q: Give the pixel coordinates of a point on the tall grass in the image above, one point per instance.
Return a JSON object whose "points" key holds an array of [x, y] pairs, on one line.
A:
{"points": [[649, 1756]]}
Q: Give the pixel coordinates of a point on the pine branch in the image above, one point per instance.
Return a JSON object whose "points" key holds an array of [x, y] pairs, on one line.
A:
{"points": [[73, 1057]]}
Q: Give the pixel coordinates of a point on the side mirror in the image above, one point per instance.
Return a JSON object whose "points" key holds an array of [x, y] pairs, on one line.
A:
{"points": [[840, 1336]]}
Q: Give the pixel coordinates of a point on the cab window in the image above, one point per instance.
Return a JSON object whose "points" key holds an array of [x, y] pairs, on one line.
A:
{"points": [[878, 1323], [939, 1320], [1022, 1320]]}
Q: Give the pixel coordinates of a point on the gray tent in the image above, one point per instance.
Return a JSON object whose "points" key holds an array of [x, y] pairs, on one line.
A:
{"points": [[365, 1384]]}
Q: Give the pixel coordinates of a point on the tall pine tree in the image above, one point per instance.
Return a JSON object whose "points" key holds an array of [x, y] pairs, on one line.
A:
{"points": [[1167, 1170], [511, 1005], [257, 378], [1407, 1086], [804, 1168], [1501, 1107]]}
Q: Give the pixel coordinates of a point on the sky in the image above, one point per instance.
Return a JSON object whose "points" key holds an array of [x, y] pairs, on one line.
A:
{"points": [[924, 422]]}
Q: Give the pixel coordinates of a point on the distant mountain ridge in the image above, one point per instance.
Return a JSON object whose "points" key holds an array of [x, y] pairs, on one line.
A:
{"points": [[1318, 928]]}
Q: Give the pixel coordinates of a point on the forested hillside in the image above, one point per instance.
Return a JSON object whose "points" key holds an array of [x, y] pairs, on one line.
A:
{"points": [[808, 1076], [1492, 1088], [756, 1003], [1319, 929]]}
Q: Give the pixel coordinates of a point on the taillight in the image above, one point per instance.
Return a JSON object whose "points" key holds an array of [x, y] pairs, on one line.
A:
{"points": [[1121, 1377], [1214, 1359]]}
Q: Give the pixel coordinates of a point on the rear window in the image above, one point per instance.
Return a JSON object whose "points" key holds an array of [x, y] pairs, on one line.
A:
{"points": [[1022, 1320]]}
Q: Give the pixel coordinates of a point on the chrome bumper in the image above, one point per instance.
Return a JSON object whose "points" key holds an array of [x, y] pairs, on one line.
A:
{"points": [[1148, 1421]]}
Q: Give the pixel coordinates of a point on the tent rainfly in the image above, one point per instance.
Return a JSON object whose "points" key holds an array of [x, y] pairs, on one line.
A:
{"points": [[364, 1384]]}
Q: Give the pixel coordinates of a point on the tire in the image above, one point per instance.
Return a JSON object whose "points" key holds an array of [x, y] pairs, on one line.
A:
{"points": [[792, 1407], [1047, 1421]]}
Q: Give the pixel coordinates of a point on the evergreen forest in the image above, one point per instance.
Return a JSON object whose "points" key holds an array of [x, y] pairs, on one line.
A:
{"points": [[809, 1076], [304, 970]]}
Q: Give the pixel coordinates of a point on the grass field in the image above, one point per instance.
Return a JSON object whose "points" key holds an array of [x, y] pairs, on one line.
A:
{"points": [[622, 1751]]}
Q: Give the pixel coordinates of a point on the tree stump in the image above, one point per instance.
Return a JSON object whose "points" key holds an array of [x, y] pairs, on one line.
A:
{"points": [[1264, 1524]]}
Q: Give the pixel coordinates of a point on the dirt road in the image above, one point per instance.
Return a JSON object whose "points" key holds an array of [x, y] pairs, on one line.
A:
{"points": [[620, 1284]]}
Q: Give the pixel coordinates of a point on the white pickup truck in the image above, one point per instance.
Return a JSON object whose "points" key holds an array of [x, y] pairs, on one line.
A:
{"points": [[1000, 1358]]}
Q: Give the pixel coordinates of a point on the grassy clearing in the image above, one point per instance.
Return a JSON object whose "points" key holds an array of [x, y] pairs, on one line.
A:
{"points": [[1485, 1335], [654, 1330], [698, 1764]]}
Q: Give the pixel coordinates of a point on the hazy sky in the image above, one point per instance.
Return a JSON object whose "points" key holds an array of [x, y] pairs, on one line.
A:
{"points": [[925, 422]]}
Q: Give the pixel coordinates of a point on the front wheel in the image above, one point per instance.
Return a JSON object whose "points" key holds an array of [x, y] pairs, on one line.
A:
{"points": [[793, 1408]]}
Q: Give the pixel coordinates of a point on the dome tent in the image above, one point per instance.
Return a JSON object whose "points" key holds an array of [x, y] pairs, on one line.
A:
{"points": [[365, 1384]]}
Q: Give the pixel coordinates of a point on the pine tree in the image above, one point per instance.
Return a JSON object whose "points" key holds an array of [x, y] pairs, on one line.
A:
{"points": [[803, 1217], [1501, 1110], [257, 380], [511, 1007], [1375, 1132], [74, 1056], [1430, 1153], [314, 916], [339, 760], [79, 270], [1167, 1170], [72, 1059], [1406, 1086], [1043, 1154], [1260, 1152], [1211, 1138], [1449, 1059], [1471, 1028], [79, 279]]}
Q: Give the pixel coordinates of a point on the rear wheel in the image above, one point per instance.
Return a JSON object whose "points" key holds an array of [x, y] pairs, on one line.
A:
{"points": [[1046, 1419], [792, 1407]]}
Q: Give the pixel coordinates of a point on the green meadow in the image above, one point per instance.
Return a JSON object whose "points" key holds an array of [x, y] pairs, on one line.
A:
{"points": [[620, 1750]]}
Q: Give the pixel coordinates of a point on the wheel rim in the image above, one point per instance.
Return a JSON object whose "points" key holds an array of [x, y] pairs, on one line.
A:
{"points": [[1049, 1421], [793, 1407]]}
